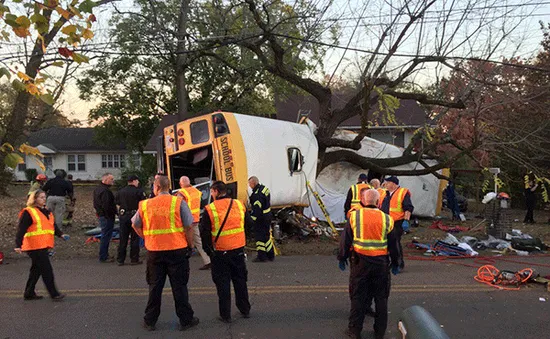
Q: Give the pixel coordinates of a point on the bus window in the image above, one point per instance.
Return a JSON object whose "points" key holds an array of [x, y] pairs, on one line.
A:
{"points": [[199, 132], [295, 160]]}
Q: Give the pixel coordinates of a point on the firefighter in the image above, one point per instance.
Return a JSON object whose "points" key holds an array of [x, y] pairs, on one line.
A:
{"points": [[367, 240], [399, 206], [164, 222], [222, 228], [261, 215], [37, 184], [375, 183], [128, 199], [192, 197], [353, 199]]}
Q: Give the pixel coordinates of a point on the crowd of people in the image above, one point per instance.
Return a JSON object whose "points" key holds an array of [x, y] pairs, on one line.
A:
{"points": [[171, 226]]}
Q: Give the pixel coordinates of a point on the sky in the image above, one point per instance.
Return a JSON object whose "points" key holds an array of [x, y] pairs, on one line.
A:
{"points": [[364, 35]]}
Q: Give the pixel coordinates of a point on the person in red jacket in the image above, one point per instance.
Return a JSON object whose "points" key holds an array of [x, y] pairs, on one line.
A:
{"points": [[35, 236]]}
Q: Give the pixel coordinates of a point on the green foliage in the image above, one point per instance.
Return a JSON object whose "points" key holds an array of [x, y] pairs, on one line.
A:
{"points": [[30, 174], [144, 172], [6, 177], [136, 91]]}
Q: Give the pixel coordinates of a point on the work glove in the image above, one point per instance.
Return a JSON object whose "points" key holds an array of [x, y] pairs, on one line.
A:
{"points": [[395, 270], [66, 237], [406, 226], [342, 264]]}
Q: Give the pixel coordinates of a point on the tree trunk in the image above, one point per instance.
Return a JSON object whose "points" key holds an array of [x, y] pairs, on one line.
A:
{"points": [[16, 124], [181, 63]]}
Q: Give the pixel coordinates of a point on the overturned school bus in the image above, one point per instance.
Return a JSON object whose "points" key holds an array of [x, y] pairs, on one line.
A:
{"points": [[233, 147]]}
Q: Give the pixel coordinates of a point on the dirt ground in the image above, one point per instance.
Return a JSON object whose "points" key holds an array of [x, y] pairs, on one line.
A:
{"points": [[85, 218]]}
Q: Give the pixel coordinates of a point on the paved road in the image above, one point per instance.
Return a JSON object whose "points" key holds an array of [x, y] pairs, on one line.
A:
{"points": [[294, 297]]}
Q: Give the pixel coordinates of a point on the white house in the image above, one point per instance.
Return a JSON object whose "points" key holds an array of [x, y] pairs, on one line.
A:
{"points": [[77, 151]]}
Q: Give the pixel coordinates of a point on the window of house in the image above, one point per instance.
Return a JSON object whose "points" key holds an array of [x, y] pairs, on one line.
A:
{"points": [[23, 166], [295, 160], [113, 161], [48, 162], [76, 162]]}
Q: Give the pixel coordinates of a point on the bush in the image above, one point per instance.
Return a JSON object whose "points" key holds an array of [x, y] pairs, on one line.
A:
{"points": [[147, 170], [30, 174], [6, 177]]}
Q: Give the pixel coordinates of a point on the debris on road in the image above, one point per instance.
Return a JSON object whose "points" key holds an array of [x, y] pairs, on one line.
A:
{"points": [[504, 280]]}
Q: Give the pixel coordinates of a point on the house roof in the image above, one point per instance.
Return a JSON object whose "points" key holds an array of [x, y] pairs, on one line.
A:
{"points": [[410, 113], [64, 139], [166, 121]]}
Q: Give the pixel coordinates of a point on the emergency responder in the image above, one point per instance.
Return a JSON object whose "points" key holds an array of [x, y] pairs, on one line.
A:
{"points": [[367, 239], [37, 184], [375, 184], [192, 197], [399, 206], [152, 193], [353, 199], [164, 222], [261, 215], [128, 200], [70, 202], [222, 228], [57, 189], [35, 236]]}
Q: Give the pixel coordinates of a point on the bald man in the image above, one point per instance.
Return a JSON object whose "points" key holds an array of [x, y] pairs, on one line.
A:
{"points": [[369, 241], [375, 183], [192, 197]]}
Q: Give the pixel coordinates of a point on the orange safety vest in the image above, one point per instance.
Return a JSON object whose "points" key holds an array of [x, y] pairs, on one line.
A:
{"points": [[192, 196], [40, 234], [382, 193], [356, 194], [396, 203], [370, 228], [162, 225], [232, 235]]}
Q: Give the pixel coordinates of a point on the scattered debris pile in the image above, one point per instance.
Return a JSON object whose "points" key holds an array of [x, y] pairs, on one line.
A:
{"points": [[292, 223], [519, 244]]}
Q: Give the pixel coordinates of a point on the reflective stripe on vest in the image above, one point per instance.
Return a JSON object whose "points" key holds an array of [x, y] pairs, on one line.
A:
{"points": [[370, 231], [356, 192], [259, 204], [232, 235], [40, 233], [147, 222], [382, 193], [162, 225], [192, 197], [396, 203]]}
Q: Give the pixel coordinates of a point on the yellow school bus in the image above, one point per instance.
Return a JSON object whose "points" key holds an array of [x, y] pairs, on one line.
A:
{"points": [[232, 147]]}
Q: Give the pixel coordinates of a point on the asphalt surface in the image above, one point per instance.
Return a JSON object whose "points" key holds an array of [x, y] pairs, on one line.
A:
{"points": [[293, 297]]}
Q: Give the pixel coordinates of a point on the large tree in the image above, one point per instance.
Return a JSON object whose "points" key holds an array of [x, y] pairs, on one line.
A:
{"points": [[407, 38], [156, 69], [42, 35]]}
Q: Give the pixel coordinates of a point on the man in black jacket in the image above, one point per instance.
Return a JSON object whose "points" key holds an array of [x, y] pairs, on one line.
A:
{"points": [[128, 199], [104, 205], [56, 189]]}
